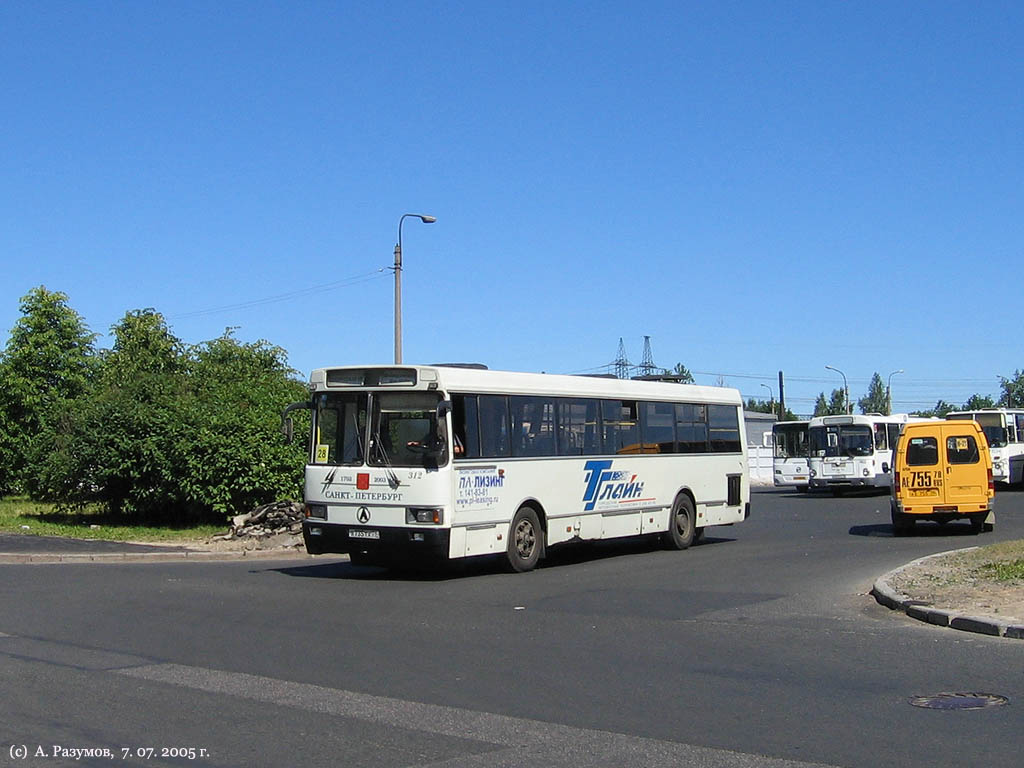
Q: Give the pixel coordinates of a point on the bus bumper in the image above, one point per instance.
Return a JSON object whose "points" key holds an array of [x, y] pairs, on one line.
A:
{"points": [[392, 543]]}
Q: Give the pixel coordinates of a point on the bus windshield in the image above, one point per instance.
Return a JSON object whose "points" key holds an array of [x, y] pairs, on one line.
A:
{"points": [[790, 441], [404, 430], [843, 440], [994, 429]]}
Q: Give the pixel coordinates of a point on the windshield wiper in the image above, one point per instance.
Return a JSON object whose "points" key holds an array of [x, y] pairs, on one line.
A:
{"points": [[382, 452]]}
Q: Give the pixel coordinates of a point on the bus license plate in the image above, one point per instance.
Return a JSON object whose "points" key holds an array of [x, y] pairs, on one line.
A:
{"points": [[360, 534]]}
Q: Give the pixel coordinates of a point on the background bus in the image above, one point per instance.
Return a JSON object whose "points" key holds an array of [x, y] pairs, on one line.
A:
{"points": [[853, 451], [791, 451], [453, 462], [1004, 429]]}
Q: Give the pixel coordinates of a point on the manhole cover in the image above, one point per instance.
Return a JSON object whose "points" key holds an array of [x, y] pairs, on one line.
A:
{"points": [[959, 701]]}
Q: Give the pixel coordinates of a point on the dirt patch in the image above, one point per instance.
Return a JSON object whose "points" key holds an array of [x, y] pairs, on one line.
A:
{"points": [[278, 543], [961, 582]]}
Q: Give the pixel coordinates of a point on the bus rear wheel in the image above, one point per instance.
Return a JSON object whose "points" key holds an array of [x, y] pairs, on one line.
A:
{"points": [[680, 524], [525, 541]]}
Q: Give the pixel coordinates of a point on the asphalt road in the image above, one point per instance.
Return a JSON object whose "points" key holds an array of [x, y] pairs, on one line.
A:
{"points": [[759, 646]]}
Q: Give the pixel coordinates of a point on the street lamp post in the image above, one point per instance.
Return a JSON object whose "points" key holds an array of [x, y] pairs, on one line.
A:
{"points": [[888, 391], [846, 388], [771, 392], [398, 280]]}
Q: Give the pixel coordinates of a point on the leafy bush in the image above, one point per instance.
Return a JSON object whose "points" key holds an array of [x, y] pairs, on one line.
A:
{"points": [[172, 434]]}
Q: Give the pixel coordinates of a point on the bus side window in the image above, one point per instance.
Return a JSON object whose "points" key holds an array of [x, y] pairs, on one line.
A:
{"points": [[691, 428], [494, 429], [893, 431], [880, 441], [724, 429], [658, 422], [466, 427], [533, 425], [619, 422], [577, 427]]}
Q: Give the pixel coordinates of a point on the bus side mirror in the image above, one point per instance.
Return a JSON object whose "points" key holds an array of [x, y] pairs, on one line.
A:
{"points": [[287, 427], [443, 409]]}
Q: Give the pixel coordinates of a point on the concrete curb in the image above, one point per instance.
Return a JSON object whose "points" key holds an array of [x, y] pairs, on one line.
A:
{"points": [[885, 594], [43, 558]]}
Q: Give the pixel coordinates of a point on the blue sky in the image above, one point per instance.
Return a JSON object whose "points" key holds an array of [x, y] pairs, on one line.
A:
{"points": [[756, 186]]}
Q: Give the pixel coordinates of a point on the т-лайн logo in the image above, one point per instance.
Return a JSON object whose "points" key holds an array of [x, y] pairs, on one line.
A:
{"points": [[602, 483]]}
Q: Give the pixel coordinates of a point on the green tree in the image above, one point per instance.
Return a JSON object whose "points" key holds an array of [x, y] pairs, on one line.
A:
{"points": [[834, 406], [117, 444], [940, 410], [875, 400], [685, 377], [49, 361], [977, 402], [143, 346], [175, 434], [768, 406], [1012, 390], [234, 455]]}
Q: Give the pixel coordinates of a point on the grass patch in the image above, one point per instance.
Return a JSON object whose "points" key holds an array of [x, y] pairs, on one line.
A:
{"points": [[1001, 562], [20, 515], [1012, 570]]}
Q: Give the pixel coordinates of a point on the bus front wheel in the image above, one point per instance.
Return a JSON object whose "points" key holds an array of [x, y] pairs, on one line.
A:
{"points": [[680, 524], [525, 541]]}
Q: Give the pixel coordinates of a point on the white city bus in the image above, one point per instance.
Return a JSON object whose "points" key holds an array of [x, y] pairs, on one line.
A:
{"points": [[791, 454], [453, 462], [853, 451], [1004, 428]]}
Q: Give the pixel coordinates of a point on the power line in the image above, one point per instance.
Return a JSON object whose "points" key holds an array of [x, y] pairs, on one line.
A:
{"points": [[344, 283]]}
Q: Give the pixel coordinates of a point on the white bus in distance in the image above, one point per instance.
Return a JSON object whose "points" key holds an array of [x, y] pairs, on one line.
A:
{"points": [[791, 451], [1004, 430], [452, 462], [853, 451]]}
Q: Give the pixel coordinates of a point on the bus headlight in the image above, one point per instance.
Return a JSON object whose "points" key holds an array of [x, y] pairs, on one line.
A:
{"points": [[865, 471], [319, 511], [424, 515]]}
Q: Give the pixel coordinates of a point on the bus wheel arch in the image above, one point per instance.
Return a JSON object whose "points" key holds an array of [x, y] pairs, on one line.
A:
{"points": [[527, 536], [682, 522]]}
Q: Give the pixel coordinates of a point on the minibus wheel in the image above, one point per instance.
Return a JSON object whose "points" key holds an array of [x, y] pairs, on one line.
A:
{"points": [[902, 524], [680, 524], [525, 540]]}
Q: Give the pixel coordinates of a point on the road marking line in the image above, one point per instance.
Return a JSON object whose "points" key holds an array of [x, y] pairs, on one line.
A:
{"points": [[527, 742]]}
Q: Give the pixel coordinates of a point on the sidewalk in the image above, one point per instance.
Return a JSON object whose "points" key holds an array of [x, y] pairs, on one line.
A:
{"points": [[15, 548]]}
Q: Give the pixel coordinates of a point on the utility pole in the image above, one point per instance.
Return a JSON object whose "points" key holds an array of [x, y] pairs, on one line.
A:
{"points": [[782, 398]]}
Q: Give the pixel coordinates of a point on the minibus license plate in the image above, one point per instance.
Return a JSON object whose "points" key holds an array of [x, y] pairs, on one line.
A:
{"points": [[361, 534]]}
